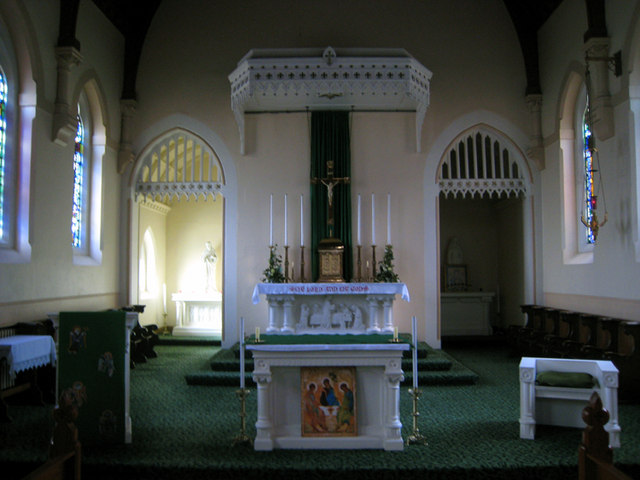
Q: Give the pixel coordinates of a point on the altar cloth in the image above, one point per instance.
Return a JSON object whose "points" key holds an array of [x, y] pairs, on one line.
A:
{"points": [[27, 351], [330, 289]]}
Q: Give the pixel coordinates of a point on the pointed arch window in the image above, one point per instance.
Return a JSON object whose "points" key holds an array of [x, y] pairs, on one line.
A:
{"points": [[589, 193], [78, 225], [147, 277], [3, 143]]}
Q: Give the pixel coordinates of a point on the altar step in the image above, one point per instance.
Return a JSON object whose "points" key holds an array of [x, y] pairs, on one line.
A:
{"points": [[435, 367]]}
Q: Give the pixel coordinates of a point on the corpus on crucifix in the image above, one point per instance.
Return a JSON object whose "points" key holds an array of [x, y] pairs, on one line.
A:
{"points": [[330, 249], [330, 182]]}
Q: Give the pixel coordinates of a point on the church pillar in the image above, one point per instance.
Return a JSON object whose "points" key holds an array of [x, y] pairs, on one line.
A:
{"points": [[393, 426], [536, 145], [287, 326], [64, 116], [388, 314], [373, 314], [274, 305], [262, 377]]}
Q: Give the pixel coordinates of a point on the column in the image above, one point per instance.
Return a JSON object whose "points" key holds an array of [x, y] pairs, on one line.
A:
{"points": [[527, 403], [274, 305], [393, 425], [372, 300], [288, 324], [263, 440], [387, 303]]}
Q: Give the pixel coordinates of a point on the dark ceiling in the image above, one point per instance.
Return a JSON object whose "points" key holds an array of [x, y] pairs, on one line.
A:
{"points": [[133, 17]]}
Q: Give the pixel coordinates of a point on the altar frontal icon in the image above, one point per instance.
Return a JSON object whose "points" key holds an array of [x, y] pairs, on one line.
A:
{"points": [[328, 401]]}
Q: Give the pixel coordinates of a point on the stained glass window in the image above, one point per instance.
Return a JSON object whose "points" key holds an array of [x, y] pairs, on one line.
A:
{"points": [[589, 192], [3, 141], [78, 186]]}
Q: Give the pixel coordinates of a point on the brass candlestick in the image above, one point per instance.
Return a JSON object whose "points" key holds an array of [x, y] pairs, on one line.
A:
{"points": [[373, 267], [416, 438], [301, 263], [286, 263], [359, 264], [242, 438]]}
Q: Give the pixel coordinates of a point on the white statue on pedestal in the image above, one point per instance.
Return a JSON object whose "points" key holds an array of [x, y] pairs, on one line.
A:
{"points": [[209, 258]]}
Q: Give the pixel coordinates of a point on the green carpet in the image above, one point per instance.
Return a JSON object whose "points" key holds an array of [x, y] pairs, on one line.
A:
{"points": [[185, 432]]}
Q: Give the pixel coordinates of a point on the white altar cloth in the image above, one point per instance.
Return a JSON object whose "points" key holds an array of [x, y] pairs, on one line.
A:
{"points": [[330, 289], [378, 376], [27, 351], [330, 308]]}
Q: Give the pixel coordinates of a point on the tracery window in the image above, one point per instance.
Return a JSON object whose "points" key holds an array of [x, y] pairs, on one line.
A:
{"points": [[589, 193], [3, 142], [79, 187]]}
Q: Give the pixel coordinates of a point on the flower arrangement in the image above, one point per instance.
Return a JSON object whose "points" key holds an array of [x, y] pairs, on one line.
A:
{"points": [[385, 272], [273, 273]]}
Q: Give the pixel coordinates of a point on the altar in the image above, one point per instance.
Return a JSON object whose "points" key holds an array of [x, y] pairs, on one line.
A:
{"points": [[316, 308], [283, 393], [198, 314]]}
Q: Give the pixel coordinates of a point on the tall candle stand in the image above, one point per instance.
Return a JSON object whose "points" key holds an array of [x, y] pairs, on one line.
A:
{"points": [[373, 267], [359, 264], [416, 438], [242, 438], [286, 263], [301, 263]]}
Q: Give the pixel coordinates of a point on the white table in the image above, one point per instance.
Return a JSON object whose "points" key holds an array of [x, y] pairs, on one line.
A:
{"points": [[466, 313], [198, 314], [378, 377]]}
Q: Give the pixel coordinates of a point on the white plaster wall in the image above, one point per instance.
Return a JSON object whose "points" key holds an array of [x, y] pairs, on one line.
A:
{"points": [[481, 69], [613, 276], [50, 282]]}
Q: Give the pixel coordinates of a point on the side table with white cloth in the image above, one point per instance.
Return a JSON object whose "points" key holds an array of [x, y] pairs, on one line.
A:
{"points": [[22, 353]]}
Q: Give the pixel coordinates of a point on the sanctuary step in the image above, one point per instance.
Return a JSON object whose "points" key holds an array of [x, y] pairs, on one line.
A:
{"points": [[435, 367]]}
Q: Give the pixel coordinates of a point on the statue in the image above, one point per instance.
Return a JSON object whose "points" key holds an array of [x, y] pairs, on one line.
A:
{"points": [[209, 258]]}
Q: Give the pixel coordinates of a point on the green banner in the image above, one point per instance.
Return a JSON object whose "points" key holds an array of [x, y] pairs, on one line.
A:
{"points": [[91, 369]]}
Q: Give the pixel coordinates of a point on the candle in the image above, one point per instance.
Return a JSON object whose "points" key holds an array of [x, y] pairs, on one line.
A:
{"points": [[395, 333], [301, 222], [271, 220], [373, 220], [285, 220], [241, 352], [257, 334], [414, 334], [359, 202], [164, 298], [388, 219]]}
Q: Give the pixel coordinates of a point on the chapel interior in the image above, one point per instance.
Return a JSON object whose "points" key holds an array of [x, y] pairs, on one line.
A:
{"points": [[156, 154]]}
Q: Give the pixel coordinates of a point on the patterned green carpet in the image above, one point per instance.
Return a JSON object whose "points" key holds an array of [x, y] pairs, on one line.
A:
{"points": [[183, 431]]}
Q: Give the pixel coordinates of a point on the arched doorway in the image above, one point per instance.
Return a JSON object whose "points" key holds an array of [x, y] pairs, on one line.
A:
{"points": [[484, 229], [178, 195]]}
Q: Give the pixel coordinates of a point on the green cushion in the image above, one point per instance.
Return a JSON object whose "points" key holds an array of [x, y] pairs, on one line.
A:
{"points": [[566, 379]]}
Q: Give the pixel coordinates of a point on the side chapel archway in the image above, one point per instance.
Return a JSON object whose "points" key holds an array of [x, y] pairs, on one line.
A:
{"points": [[480, 161], [179, 164]]}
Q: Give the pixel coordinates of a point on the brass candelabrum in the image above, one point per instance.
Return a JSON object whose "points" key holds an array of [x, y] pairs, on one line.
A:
{"points": [[286, 263], [373, 267], [242, 438], [416, 438]]}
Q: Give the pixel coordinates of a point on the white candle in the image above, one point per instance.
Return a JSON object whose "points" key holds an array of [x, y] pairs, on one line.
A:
{"points": [[241, 352], [388, 219], [414, 334], [271, 220], [373, 220], [285, 220], [164, 298], [359, 204], [301, 222]]}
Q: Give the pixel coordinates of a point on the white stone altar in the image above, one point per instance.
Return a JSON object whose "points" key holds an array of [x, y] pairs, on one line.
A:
{"points": [[378, 377], [198, 314], [320, 308], [466, 313]]}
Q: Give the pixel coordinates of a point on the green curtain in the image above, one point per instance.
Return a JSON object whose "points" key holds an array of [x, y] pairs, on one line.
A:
{"points": [[330, 141]]}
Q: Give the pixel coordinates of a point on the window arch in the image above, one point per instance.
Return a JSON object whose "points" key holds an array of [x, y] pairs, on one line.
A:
{"points": [[147, 278], [89, 150]]}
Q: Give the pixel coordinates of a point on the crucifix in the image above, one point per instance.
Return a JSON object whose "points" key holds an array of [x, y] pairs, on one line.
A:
{"points": [[330, 182]]}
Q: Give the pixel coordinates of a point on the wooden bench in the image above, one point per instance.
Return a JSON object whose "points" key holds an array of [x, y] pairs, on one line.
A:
{"points": [[595, 457]]}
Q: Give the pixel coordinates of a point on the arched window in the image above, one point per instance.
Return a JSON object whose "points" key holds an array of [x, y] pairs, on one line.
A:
{"points": [[3, 142], [147, 279], [80, 185], [589, 193]]}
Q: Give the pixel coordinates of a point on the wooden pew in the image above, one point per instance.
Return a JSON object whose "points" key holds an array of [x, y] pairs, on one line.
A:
{"points": [[595, 458], [65, 454]]}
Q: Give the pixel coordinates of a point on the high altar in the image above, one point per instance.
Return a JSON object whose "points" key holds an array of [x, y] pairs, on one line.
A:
{"points": [[356, 319]]}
